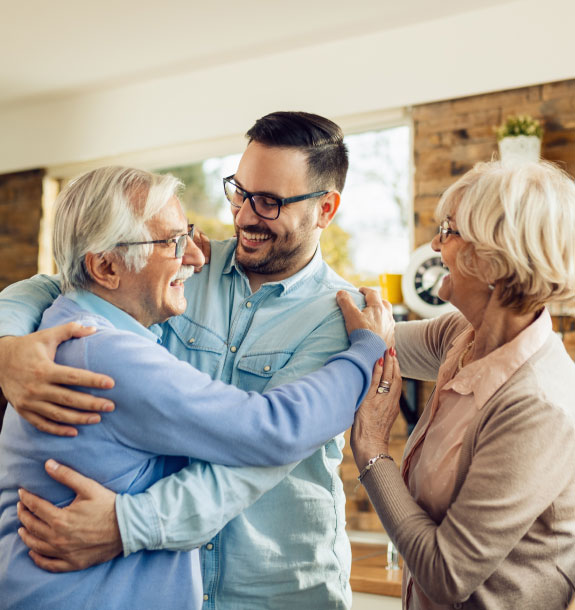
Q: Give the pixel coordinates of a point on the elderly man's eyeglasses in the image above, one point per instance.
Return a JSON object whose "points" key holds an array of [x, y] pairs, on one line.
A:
{"points": [[181, 241], [445, 231], [265, 206]]}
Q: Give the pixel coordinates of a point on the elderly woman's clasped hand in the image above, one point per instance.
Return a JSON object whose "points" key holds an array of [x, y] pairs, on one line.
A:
{"points": [[379, 409]]}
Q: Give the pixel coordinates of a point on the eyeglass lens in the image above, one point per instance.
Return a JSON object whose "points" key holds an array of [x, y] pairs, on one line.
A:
{"points": [[183, 241], [263, 206]]}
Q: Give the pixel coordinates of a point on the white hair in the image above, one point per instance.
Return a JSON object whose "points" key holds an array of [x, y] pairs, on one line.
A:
{"points": [[104, 207], [519, 222]]}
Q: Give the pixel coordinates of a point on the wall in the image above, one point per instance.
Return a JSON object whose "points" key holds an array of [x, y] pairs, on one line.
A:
{"points": [[450, 136], [509, 45], [20, 215]]}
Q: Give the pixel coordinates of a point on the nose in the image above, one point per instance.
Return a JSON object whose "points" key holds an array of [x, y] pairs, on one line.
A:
{"points": [[436, 243], [193, 255], [245, 216]]}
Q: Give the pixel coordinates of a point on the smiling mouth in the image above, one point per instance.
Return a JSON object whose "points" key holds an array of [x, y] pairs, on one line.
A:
{"points": [[255, 236]]}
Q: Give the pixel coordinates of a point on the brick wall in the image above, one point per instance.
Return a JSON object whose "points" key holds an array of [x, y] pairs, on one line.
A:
{"points": [[20, 213], [451, 136]]}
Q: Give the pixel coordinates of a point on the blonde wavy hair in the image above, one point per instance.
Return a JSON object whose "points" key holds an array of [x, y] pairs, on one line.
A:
{"points": [[519, 224]]}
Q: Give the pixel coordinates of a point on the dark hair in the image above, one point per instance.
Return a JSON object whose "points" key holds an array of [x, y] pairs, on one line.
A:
{"points": [[320, 138]]}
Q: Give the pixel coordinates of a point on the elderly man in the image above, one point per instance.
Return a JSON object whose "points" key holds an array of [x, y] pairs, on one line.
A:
{"points": [[262, 313], [119, 238]]}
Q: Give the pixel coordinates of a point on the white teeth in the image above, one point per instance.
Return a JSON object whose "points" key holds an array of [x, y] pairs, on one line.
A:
{"points": [[256, 236]]}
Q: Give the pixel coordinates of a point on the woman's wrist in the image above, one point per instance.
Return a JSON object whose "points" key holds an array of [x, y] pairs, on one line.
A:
{"points": [[371, 462], [362, 458]]}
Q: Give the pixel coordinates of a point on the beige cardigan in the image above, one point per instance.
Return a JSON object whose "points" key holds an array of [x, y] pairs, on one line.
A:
{"points": [[508, 538]]}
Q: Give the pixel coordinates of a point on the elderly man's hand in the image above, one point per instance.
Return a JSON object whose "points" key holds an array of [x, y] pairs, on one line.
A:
{"points": [[377, 315], [75, 537], [33, 383]]}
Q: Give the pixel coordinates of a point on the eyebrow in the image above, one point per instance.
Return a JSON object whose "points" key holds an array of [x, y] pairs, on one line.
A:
{"points": [[268, 193]]}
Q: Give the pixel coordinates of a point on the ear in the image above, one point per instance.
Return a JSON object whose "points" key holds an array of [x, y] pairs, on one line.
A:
{"points": [[103, 269], [329, 205]]}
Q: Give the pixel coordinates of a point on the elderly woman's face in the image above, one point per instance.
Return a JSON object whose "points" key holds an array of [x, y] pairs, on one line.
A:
{"points": [[459, 289]]}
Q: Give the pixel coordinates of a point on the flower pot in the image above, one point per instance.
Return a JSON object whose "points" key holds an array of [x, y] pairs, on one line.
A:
{"points": [[520, 148]]}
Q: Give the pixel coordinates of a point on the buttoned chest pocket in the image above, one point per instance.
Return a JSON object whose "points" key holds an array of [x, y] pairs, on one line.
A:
{"points": [[256, 369], [196, 344]]}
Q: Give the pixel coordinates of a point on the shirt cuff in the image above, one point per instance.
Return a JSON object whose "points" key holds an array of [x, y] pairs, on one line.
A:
{"points": [[139, 523]]}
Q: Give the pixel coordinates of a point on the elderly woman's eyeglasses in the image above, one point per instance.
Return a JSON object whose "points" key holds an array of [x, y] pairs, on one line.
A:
{"points": [[264, 206], [445, 231], [181, 241]]}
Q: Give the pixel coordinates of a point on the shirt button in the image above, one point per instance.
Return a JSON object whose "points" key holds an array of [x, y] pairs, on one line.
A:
{"points": [[248, 304], [192, 340], [209, 546], [267, 368], [206, 597], [457, 605], [233, 349]]}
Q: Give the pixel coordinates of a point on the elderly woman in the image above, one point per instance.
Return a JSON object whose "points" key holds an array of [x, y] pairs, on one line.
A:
{"points": [[483, 508]]}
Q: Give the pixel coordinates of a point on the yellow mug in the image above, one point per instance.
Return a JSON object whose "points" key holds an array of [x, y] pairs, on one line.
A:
{"points": [[390, 284]]}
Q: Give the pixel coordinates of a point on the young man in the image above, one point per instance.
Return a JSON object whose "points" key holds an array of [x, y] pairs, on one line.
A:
{"points": [[262, 313]]}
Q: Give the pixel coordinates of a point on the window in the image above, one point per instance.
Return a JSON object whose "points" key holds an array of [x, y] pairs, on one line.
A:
{"points": [[370, 232]]}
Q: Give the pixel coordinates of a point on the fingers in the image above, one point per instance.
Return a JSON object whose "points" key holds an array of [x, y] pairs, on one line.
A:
{"points": [[345, 302], [59, 396], [58, 334], [68, 375], [372, 297], [387, 373], [205, 246], [57, 414], [376, 376], [46, 425], [83, 486], [36, 513], [52, 565]]}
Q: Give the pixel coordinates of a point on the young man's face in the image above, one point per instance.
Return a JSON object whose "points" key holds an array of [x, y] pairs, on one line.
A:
{"points": [[275, 249]]}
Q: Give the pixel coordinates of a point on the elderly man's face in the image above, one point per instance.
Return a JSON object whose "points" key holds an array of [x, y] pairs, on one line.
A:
{"points": [[157, 292]]}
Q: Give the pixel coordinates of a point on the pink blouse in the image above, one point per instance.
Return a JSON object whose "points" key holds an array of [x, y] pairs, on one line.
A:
{"points": [[432, 453]]}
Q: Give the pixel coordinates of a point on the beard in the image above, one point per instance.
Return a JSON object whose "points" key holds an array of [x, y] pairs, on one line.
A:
{"points": [[282, 254]]}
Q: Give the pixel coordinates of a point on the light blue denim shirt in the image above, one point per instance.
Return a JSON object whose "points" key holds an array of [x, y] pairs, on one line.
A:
{"points": [[165, 407], [286, 548]]}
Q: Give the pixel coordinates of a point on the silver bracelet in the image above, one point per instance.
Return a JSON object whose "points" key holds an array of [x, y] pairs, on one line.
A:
{"points": [[381, 456]]}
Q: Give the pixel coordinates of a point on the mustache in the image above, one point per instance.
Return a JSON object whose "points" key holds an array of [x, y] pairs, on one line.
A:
{"points": [[185, 272]]}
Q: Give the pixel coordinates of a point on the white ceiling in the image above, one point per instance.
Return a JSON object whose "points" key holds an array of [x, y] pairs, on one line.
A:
{"points": [[63, 46]]}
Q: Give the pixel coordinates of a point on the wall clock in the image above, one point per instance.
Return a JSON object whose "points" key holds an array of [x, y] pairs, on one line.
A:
{"points": [[422, 280]]}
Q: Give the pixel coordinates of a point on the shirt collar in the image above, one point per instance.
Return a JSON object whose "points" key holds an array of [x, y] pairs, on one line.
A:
{"points": [[120, 319], [288, 284], [486, 375]]}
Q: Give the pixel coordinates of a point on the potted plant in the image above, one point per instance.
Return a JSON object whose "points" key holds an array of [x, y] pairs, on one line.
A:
{"points": [[519, 138]]}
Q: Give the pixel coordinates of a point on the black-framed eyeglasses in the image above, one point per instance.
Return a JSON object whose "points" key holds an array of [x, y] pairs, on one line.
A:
{"points": [[265, 206], [181, 241], [445, 231]]}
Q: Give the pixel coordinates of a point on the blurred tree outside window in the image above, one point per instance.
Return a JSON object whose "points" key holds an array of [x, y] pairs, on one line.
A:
{"points": [[370, 232]]}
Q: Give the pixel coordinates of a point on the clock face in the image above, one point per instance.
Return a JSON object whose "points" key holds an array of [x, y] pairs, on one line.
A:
{"points": [[427, 280], [421, 282]]}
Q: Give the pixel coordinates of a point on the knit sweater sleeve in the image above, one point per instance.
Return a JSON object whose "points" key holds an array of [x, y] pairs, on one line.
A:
{"points": [[422, 344]]}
